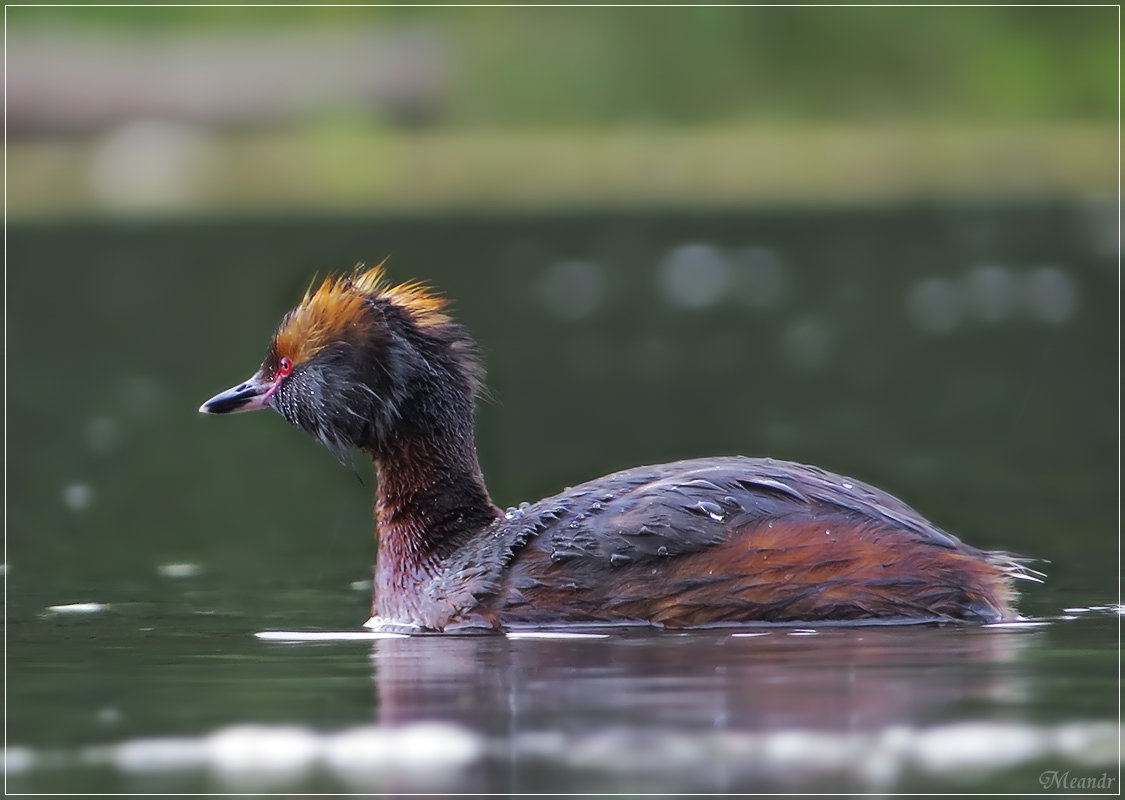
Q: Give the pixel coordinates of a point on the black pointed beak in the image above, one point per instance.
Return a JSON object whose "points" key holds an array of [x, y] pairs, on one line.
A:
{"points": [[249, 396]]}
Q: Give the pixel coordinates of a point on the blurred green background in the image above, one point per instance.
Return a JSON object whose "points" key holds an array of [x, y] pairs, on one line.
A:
{"points": [[209, 110], [882, 240]]}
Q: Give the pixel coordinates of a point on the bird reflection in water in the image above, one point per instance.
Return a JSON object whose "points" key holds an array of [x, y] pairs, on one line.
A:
{"points": [[702, 710]]}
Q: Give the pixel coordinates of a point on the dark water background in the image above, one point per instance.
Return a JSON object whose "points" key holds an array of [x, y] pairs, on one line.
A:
{"points": [[964, 358]]}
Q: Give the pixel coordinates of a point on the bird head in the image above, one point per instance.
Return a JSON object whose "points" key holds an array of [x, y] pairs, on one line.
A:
{"points": [[357, 359]]}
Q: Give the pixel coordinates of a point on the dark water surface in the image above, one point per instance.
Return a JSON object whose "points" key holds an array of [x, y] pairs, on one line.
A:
{"points": [[963, 358]]}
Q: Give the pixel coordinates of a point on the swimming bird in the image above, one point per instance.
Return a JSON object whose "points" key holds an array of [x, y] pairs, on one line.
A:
{"points": [[361, 363]]}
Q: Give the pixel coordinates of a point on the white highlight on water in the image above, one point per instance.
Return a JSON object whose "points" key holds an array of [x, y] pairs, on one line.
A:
{"points": [[435, 755], [327, 636], [1017, 624], [78, 608], [179, 570], [554, 635]]}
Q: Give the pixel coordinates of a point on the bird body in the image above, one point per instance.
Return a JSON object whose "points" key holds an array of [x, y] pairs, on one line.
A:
{"points": [[716, 541]]}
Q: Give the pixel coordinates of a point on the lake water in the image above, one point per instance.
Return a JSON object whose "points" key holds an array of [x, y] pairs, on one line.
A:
{"points": [[964, 358]]}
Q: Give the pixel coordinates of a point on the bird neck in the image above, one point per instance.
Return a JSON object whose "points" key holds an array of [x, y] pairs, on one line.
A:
{"points": [[431, 497]]}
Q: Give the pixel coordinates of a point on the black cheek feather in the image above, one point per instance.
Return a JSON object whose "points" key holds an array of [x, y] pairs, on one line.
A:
{"points": [[348, 396], [306, 400]]}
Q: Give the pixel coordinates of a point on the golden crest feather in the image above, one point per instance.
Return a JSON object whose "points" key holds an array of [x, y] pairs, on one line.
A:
{"points": [[337, 309]]}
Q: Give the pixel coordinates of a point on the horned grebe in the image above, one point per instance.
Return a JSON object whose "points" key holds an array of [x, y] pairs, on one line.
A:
{"points": [[360, 363]]}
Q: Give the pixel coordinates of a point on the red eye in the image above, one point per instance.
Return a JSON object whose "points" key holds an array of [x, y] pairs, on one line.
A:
{"points": [[284, 367]]}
